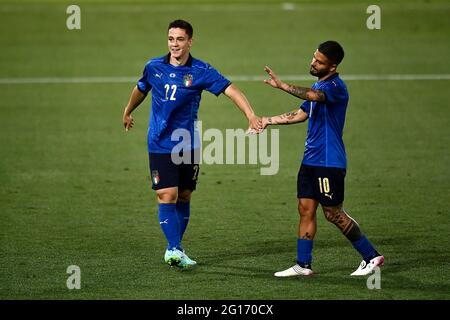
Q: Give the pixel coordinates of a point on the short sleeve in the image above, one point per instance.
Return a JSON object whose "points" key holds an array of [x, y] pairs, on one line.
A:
{"points": [[306, 106], [214, 82], [334, 92], [143, 85]]}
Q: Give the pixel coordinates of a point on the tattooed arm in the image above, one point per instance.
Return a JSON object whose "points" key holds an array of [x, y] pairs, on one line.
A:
{"points": [[295, 116], [300, 92], [305, 93]]}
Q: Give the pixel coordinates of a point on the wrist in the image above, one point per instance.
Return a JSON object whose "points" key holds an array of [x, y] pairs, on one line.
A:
{"points": [[284, 86]]}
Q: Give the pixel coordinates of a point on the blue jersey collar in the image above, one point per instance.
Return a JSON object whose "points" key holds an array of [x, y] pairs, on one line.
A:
{"points": [[330, 78]]}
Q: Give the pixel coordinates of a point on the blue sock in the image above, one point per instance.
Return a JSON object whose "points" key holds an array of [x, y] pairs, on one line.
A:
{"points": [[365, 248], [183, 212], [304, 252], [168, 220]]}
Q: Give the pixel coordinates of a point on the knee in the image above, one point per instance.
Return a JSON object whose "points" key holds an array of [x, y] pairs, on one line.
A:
{"points": [[306, 211], [332, 214], [169, 195], [184, 196]]}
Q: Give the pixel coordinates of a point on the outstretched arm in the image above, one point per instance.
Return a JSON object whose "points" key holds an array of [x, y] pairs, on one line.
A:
{"points": [[242, 103], [135, 100], [295, 116], [297, 91]]}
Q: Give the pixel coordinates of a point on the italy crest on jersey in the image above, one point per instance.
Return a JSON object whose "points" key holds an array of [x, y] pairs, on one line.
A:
{"points": [[187, 80]]}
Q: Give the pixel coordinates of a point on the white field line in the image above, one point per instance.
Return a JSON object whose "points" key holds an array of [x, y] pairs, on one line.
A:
{"points": [[124, 8], [238, 78], [158, 8]]}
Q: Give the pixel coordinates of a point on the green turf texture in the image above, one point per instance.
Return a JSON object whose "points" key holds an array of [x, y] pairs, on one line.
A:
{"points": [[75, 189]]}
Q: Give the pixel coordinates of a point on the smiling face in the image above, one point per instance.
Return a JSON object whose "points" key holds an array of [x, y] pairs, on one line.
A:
{"points": [[179, 44], [321, 66]]}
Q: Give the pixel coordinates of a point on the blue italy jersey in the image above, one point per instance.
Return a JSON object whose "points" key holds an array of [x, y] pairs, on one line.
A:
{"points": [[176, 94], [324, 146]]}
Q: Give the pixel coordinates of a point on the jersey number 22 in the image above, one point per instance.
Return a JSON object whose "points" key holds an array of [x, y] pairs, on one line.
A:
{"points": [[172, 95]]}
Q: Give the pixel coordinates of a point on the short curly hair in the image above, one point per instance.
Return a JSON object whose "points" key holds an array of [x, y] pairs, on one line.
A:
{"points": [[332, 50]]}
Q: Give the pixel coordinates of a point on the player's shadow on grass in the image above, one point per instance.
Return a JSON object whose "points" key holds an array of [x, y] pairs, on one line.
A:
{"points": [[261, 259], [231, 259]]}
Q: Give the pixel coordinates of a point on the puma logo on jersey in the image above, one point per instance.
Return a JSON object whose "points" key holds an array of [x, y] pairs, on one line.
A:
{"points": [[328, 195], [158, 75]]}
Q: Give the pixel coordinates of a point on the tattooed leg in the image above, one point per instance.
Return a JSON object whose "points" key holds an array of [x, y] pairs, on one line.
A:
{"points": [[348, 226]]}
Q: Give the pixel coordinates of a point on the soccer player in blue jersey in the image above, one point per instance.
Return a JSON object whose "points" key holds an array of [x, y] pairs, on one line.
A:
{"points": [[321, 176], [177, 81]]}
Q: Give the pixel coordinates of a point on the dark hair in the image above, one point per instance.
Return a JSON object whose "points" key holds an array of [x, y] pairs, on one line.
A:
{"points": [[332, 50], [182, 24]]}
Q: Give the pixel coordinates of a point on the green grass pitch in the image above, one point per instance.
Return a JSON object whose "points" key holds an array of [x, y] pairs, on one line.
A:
{"points": [[75, 189]]}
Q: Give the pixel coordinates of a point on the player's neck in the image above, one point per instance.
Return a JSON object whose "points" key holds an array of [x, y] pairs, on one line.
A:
{"points": [[181, 61], [327, 76]]}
